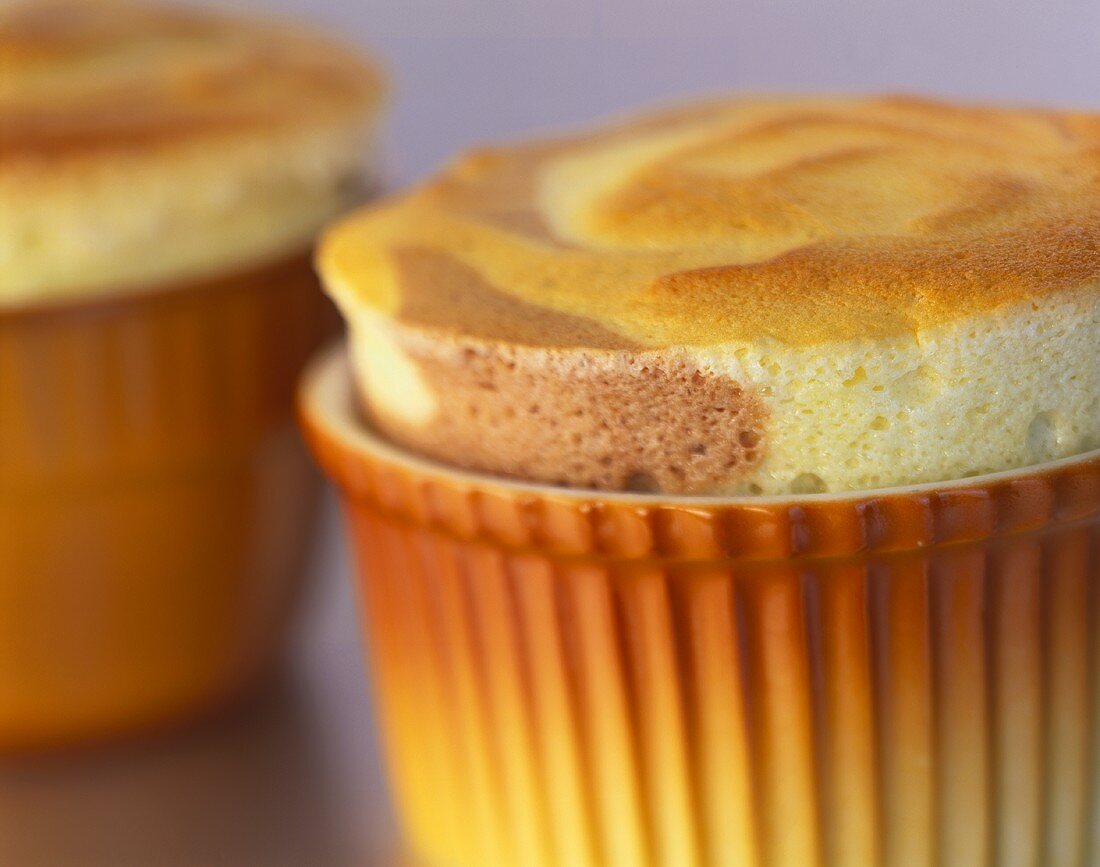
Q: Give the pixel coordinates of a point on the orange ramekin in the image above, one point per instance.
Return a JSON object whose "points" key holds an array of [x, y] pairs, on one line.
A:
{"points": [[902, 677], [155, 501]]}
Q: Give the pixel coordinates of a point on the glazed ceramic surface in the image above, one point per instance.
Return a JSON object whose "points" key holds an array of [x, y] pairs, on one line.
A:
{"points": [[155, 500], [898, 677]]}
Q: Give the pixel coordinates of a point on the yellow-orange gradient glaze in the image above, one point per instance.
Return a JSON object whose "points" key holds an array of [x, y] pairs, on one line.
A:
{"points": [[902, 678], [742, 296], [155, 500]]}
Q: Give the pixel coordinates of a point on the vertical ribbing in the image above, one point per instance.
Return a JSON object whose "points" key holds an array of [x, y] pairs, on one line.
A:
{"points": [[753, 686], [433, 741], [503, 690], [1017, 677], [495, 844], [146, 382], [155, 502], [1092, 814], [649, 640], [554, 715], [963, 816], [405, 672], [849, 794], [904, 703], [612, 741], [1065, 556], [782, 722], [727, 806], [575, 725]]}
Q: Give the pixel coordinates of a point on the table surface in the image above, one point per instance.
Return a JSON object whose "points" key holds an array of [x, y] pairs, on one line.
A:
{"points": [[289, 777]]}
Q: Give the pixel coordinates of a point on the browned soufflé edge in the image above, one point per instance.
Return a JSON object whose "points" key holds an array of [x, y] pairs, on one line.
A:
{"points": [[623, 420]]}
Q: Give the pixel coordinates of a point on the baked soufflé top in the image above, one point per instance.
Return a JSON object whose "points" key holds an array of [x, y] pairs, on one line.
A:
{"points": [[776, 295], [145, 144]]}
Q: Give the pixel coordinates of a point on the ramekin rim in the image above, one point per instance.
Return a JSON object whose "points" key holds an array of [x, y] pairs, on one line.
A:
{"points": [[329, 373]]}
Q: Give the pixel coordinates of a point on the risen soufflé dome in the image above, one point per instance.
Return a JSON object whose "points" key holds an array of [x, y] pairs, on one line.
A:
{"points": [[780, 295]]}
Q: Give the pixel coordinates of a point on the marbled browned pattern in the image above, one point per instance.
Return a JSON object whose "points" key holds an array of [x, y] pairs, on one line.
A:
{"points": [[637, 421], [804, 220], [890, 290]]}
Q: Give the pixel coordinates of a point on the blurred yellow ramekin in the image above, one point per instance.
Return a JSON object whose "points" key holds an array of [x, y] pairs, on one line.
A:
{"points": [[155, 501]]}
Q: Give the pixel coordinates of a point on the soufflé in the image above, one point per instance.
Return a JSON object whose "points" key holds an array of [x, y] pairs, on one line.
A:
{"points": [[743, 296], [163, 172], [144, 144]]}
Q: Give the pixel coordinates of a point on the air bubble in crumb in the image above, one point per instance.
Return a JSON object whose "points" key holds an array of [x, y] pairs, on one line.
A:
{"points": [[1043, 436], [859, 376], [918, 386], [808, 483], [642, 483]]}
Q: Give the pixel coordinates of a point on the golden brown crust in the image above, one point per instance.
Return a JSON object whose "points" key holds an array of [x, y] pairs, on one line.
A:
{"points": [[631, 421], [440, 290], [804, 221], [766, 296], [81, 76]]}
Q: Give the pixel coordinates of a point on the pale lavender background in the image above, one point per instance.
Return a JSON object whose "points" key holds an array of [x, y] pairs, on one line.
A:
{"points": [[470, 70], [295, 781]]}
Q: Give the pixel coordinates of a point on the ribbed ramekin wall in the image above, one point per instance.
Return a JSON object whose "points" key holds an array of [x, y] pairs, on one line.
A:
{"points": [[150, 382], [155, 499], [903, 681]]}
